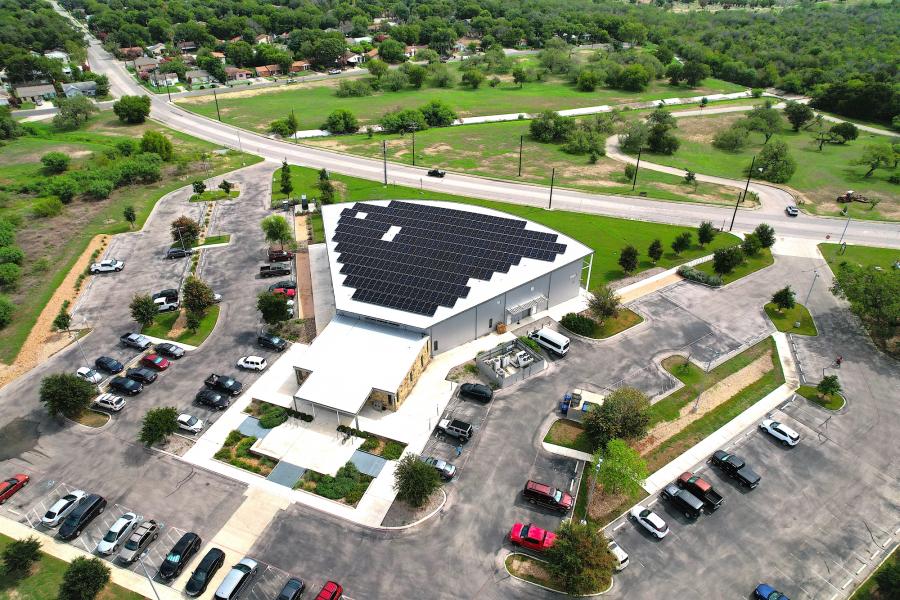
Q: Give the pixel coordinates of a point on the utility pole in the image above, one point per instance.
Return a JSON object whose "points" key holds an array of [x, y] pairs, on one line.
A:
{"points": [[636, 167], [846, 225], [294, 120], [521, 140], [741, 198], [414, 146], [168, 93], [552, 181], [147, 574], [384, 158], [809, 293], [216, 98]]}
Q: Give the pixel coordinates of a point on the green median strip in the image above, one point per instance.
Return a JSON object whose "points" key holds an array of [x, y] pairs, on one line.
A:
{"points": [[751, 264], [784, 320]]}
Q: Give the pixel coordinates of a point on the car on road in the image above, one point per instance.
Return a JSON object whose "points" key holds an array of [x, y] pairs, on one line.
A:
{"points": [[443, 468], [155, 362], [780, 431], [330, 591], [291, 590], [190, 423], [62, 507], [125, 385], [531, 536], [138, 541], [700, 488], [136, 341], [272, 342], [9, 487], [109, 365], [548, 496], [650, 521], [179, 556], [792, 211], [89, 375], [237, 579], [685, 502], [252, 363], [735, 467], [141, 374], [178, 252], [764, 591], [459, 429], [279, 255], [211, 562], [109, 265], [109, 402], [226, 385], [170, 350], [86, 511], [436, 173], [476, 391], [334, 71], [212, 399], [118, 533], [274, 270], [620, 555]]}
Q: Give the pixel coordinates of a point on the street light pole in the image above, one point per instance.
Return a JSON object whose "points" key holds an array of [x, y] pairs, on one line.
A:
{"points": [[521, 140], [636, 167], [384, 158], [809, 293], [147, 575], [216, 98], [552, 181], [414, 145], [847, 224], [741, 198]]}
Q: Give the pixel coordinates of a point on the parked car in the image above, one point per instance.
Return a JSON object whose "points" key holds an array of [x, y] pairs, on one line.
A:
{"points": [[272, 342], [211, 562], [781, 432], [444, 469], [11, 486], [287, 292], [221, 383], [459, 429], [334, 71], [109, 402], [89, 375], [476, 391], [141, 374], [136, 341], [109, 365], [330, 591], [274, 270], [286, 284], [620, 555], [178, 252], [236, 579], [531, 536], [155, 362], [86, 511], [279, 255], [118, 533], [126, 386], [109, 265], [62, 507], [548, 496], [170, 350], [764, 591], [252, 363], [735, 467], [291, 590], [212, 399], [792, 211], [688, 504], [701, 489], [190, 423], [166, 305], [180, 555], [143, 536], [436, 173], [650, 521], [170, 294]]}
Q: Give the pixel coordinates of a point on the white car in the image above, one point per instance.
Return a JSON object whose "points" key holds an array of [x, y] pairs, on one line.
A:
{"points": [[109, 265], [620, 555], [110, 402], [334, 71], [650, 521], [780, 432], [252, 363], [89, 375], [118, 533], [217, 297], [792, 211], [61, 508], [190, 423]]}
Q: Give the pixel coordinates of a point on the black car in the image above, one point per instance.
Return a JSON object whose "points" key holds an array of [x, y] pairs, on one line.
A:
{"points": [[272, 342], [109, 365], [274, 270], [170, 350], [180, 555], [688, 504], [226, 385], [86, 511], [436, 173], [127, 386], [212, 399], [735, 467], [169, 294], [476, 391], [204, 572], [178, 252], [142, 374], [291, 590]]}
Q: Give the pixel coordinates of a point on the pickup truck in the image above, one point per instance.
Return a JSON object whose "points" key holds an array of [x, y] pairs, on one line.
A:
{"points": [[136, 341], [279, 255], [227, 385], [700, 488], [735, 467], [274, 271]]}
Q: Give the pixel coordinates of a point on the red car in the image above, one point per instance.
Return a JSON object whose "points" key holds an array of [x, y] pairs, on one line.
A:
{"points": [[289, 292], [156, 362], [12, 485], [331, 591], [531, 537]]}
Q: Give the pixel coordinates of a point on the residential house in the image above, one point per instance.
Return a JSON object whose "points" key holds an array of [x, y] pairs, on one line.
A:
{"points": [[36, 93], [156, 49], [300, 65], [145, 63], [218, 55], [462, 44], [263, 38], [198, 77], [163, 79], [131, 53], [186, 46], [411, 51], [80, 88], [268, 71], [236, 74], [236, 38], [61, 57], [350, 58], [373, 53]]}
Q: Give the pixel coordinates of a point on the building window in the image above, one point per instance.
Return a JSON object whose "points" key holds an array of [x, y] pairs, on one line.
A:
{"points": [[490, 323], [434, 346]]}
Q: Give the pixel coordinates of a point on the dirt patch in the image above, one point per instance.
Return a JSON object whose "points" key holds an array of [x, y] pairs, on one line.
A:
{"points": [[620, 283], [71, 150], [400, 513], [531, 570], [176, 444], [432, 149], [602, 504], [331, 143], [179, 326], [466, 373], [703, 129]]}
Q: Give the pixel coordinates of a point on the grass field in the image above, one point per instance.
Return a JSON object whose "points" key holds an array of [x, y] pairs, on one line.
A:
{"points": [[606, 235], [215, 239], [820, 176], [569, 434], [864, 256], [750, 265], [784, 320], [831, 402], [53, 244]]}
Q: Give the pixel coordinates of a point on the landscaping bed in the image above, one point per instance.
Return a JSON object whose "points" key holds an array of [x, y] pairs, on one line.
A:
{"points": [[585, 325], [784, 319], [165, 327], [568, 434], [212, 195], [348, 486], [870, 589], [214, 239], [531, 569], [403, 513], [375, 444], [750, 265], [92, 418], [271, 415], [236, 452], [830, 402]]}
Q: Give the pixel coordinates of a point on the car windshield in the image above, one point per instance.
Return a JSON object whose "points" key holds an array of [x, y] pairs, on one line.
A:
{"points": [[199, 576], [191, 420], [242, 568], [111, 536], [132, 544], [558, 495], [173, 557]]}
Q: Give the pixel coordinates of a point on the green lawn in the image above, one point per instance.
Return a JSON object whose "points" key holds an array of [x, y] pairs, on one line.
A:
{"points": [[215, 239], [626, 319], [750, 265], [869, 589], [864, 256], [831, 402], [569, 434], [44, 581], [164, 322], [211, 195], [784, 320]]}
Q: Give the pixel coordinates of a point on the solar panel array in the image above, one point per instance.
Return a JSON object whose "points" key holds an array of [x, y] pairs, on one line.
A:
{"points": [[433, 253]]}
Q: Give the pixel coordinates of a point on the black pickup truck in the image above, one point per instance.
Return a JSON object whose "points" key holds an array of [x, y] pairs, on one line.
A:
{"points": [[702, 489], [227, 385], [274, 270], [735, 467]]}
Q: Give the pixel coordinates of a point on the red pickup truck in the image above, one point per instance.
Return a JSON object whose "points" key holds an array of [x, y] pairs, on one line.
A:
{"points": [[700, 488]]}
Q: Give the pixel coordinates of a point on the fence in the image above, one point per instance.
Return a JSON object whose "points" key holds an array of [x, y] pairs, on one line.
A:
{"points": [[497, 365]]}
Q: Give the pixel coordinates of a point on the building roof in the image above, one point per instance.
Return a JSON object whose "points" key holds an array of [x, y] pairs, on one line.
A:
{"points": [[217, 54], [143, 61], [379, 357], [80, 85], [233, 70], [34, 90], [197, 73], [419, 263]]}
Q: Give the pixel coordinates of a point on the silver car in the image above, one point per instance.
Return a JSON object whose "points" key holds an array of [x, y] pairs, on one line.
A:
{"points": [[140, 538], [61, 508], [118, 533]]}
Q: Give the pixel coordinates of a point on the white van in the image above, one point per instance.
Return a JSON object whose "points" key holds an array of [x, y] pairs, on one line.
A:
{"points": [[555, 342]]}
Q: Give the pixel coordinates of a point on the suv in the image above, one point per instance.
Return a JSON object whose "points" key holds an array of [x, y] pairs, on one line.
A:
{"points": [[86, 511], [546, 495], [136, 341], [226, 385], [476, 391], [139, 540], [180, 554], [141, 374], [109, 365], [456, 428], [108, 265], [237, 579], [109, 402], [272, 342], [690, 505], [178, 253]]}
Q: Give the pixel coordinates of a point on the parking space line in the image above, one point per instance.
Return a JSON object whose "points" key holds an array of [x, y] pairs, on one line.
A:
{"points": [[874, 554], [860, 569], [620, 525], [846, 583], [836, 594]]}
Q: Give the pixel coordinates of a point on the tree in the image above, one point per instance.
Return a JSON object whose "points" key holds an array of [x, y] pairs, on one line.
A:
{"points": [[377, 68], [706, 233], [143, 309], [690, 178], [784, 298], [876, 155], [197, 296], [62, 321], [415, 73], [6, 311], [326, 191], [732, 139], [675, 73], [587, 81], [473, 78], [628, 259], [20, 555], [226, 186], [750, 246], [341, 120], [623, 414], [193, 320], [185, 231], [829, 386], [158, 425], [846, 132], [655, 251], [392, 51], [285, 182], [873, 295], [549, 126], [726, 259], [273, 307], [438, 113], [888, 579], [66, 394], [327, 50], [622, 470], [132, 109], [84, 579], [277, 229], [129, 215], [694, 72], [775, 162], [765, 234], [634, 137], [520, 75], [199, 186], [55, 162], [72, 113], [604, 303], [414, 481], [764, 119], [681, 243], [579, 558], [157, 143], [402, 121], [798, 114]]}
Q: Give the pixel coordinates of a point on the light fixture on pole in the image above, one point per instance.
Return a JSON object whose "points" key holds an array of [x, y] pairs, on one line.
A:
{"points": [[809, 293], [521, 141], [216, 98], [147, 575], [384, 158], [636, 167], [740, 197], [552, 181], [846, 225]]}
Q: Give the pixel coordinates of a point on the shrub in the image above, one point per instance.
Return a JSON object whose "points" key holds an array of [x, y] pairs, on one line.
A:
{"points": [[392, 450], [234, 436], [579, 324], [353, 88], [404, 120], [46, 207], [157, 143], [341, 120], [369, 445], [242, 449], [6, 311], [693, 274], [98, 189], [19, 555], [438, 114], [9, 274], [65, 188], [55, 162], [630, 171], [726, 259], [84, 579], [732, 139], [273, 417], [11, 254]]}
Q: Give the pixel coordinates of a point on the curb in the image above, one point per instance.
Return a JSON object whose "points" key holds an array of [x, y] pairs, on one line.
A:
{"points": [[612, 580], [88, 428]]}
